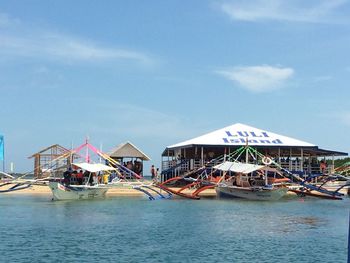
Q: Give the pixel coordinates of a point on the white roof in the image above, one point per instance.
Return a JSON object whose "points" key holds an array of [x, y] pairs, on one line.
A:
{"points": [[238, 167], [241, 134], [94, 167]]}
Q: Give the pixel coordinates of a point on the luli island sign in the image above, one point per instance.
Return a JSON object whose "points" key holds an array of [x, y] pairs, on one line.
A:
{"points": [[250, 137]]}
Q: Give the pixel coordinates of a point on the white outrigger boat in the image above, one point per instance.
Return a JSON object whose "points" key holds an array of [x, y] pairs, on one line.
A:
{"points": [[76, 192], [61, 191], [250, 181]]}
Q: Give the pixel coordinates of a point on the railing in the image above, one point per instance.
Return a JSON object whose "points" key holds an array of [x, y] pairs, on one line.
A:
{"points": [[174, 168], [306, 169]]}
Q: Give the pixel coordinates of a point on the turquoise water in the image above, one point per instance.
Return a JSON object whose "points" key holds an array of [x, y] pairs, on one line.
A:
{"points": [[35, 229]]}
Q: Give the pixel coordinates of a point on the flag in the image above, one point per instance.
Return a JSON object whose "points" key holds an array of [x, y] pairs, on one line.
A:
{"points": [[2, 147]]}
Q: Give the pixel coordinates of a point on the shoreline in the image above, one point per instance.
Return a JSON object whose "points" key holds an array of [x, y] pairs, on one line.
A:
{"points": [[44, 190], [118, 191]]}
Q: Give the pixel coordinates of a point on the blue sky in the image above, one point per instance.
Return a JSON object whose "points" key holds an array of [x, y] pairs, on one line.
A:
{"points": [[159, 72]]}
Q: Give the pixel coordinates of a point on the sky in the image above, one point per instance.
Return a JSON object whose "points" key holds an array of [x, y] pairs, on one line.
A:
{"points": [[156, 72]]}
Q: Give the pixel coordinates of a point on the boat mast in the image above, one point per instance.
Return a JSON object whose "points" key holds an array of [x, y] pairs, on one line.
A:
{"points": [[246, 150], [100, 151], [87, 156]]}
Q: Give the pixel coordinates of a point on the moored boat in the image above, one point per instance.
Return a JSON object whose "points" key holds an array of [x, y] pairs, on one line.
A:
{"points": [[258, 194], [249, 181], [76, 192]]}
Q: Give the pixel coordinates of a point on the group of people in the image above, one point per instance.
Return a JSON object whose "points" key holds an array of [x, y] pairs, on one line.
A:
{"points": [[135, 166], [154, 173], [79, 177]]}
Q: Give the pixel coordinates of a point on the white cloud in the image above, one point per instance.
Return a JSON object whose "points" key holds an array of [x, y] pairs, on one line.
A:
{"points": [[319, 11], [31, 42], [258, 78], [64, 48]]}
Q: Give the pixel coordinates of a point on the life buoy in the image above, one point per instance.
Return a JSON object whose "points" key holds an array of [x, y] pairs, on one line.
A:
{"points": [[266, 160]]}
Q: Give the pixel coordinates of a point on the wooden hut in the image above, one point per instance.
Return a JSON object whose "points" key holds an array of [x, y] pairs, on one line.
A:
{"points": [[129, 155], [44, 158]]}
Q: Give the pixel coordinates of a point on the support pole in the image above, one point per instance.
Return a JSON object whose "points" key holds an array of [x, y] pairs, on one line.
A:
{"points": [[202, 156], [3, 157], [301, 159], [279, 155]]}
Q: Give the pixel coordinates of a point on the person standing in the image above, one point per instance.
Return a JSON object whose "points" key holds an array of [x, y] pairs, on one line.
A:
{"points": [[323, 166], [80, 177], [153, 172]]}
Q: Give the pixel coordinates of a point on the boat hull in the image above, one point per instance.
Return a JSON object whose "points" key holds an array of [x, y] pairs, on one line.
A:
{"points": [[62, 192], [251, 193]]}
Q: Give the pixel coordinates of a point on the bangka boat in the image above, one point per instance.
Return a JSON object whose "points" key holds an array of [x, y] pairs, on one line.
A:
{"points": [[63, 191], [250, 181], [322, 186], [76, 192]]}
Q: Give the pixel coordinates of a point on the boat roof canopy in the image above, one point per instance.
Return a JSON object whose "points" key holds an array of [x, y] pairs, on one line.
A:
{"points": [[94, 167], [238, 167]]}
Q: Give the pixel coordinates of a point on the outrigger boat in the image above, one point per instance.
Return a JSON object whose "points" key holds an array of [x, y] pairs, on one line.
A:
{"points": [[250, 181], [11, 184], [61, 191], [233, 178], [323, 189]]}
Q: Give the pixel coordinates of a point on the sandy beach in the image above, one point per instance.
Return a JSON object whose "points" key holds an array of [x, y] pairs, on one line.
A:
{"points": [[118, 191]]}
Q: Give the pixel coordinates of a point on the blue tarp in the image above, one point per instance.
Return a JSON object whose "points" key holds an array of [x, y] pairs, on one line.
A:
{"points": [[1, 147]]}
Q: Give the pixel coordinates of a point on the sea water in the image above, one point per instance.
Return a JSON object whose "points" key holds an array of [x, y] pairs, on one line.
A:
{"points": [[134, 229]]}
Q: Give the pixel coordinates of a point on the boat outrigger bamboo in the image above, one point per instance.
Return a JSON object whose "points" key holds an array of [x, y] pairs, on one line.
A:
{"points": [[234, 178], [12, 184]]}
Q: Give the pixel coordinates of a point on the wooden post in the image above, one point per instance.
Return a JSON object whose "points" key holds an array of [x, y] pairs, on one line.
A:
{"points": [[301, 159], [202, 156]]}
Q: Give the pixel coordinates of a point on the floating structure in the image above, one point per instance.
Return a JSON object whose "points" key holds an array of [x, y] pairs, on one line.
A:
{"points": [[297, 156], [257, 178], [253, 179], [129, 154]]}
